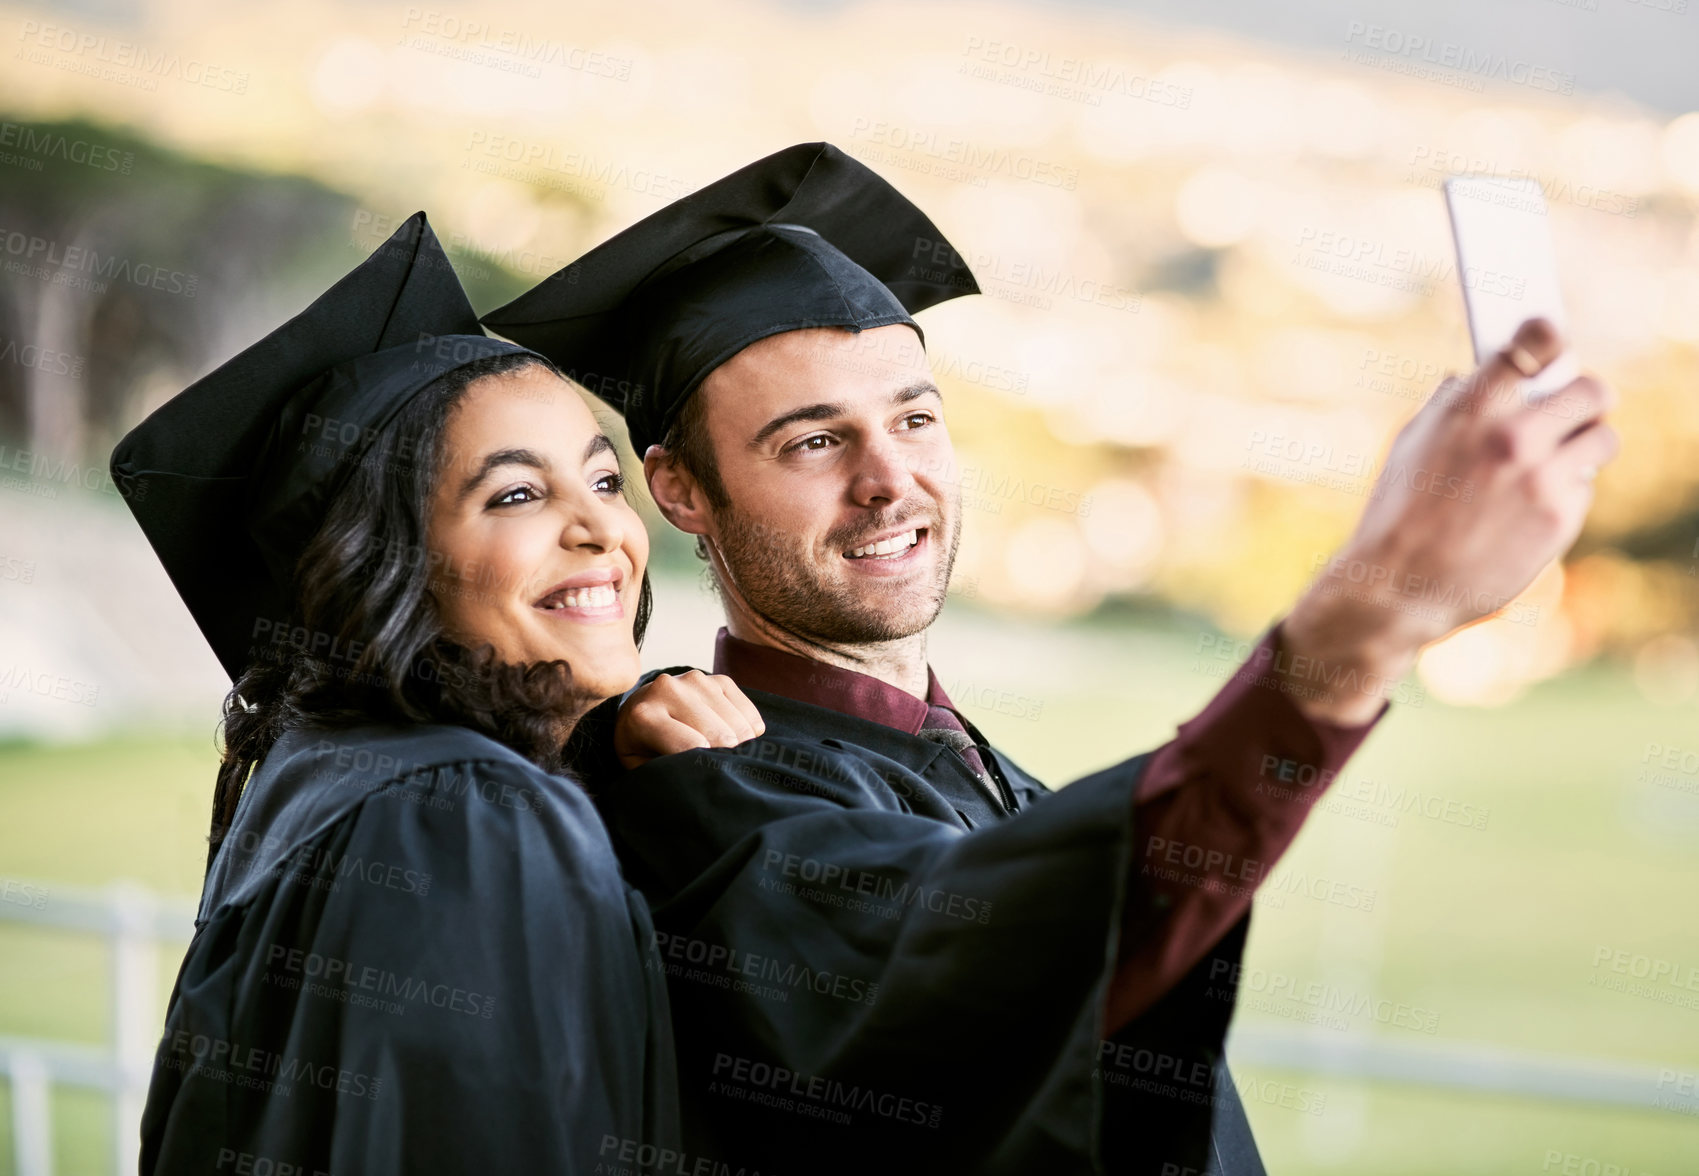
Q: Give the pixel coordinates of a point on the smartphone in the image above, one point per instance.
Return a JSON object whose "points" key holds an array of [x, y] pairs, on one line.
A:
{"points": [[1507, 267]]}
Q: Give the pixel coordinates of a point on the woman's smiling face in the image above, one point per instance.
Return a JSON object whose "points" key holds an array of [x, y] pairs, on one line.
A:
{"points": [[537, 552]]}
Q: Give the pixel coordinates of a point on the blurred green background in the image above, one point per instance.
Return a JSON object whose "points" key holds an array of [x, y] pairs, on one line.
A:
{"points": [[1217, 274], [1492, 931]]}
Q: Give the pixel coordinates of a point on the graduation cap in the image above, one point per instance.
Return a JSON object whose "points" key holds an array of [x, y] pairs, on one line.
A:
{"points": [[230, 478], [807, 237]]}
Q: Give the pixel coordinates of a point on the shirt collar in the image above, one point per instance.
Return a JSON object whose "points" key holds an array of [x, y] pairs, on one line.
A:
{"points": [[862, 696]]}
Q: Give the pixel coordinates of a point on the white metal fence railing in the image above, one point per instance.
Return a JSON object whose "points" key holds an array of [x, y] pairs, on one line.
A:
{"points": [[135, 922], [1467, 1066]]}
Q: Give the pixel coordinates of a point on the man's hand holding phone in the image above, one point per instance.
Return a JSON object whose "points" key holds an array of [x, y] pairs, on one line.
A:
{"points": [[1482, 489]]}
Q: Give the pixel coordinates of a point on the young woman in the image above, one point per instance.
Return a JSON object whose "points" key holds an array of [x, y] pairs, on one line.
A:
{"points": [[409, 545]]}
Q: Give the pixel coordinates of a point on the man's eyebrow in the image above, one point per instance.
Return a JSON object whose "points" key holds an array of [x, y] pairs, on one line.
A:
{"points": [[501, 457], [915, 391], [808, 412], [826, 411]]}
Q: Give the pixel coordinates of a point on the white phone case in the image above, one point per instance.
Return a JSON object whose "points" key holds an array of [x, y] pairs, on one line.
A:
{"points": [[1507, 267]]}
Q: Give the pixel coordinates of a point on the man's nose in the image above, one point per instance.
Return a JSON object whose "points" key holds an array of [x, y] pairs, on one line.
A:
{"points": [[883, 473]]}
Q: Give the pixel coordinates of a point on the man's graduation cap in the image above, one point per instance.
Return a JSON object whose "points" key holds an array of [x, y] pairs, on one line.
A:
{"points": [[807, 237], [230, 479]]}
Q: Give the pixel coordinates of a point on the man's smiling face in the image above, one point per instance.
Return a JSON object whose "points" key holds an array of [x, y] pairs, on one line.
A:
{"points": [[845, 510]]}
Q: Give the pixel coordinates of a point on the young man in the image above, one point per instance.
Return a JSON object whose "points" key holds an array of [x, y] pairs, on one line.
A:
{"points": [[888, 945]]}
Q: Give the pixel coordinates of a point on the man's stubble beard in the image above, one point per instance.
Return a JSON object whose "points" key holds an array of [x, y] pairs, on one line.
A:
{"points": [[769, 569]]}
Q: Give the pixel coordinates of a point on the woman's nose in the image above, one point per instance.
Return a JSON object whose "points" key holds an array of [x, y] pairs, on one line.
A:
{"points": [[596, 525]]}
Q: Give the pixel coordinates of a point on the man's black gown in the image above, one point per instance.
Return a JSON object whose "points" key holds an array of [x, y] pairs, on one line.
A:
{"points": [[873, 969], [414, 954]]}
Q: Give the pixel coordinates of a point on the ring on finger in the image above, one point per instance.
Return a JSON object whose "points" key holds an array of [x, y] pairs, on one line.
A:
{"points": [[1521, 359]]}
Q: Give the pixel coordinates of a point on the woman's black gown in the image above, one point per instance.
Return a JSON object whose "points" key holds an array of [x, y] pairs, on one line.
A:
{"points": [[414, 953]]}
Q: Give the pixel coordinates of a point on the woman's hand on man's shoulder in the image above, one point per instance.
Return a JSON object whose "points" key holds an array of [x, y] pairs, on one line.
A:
{"points": [[678, 712]]}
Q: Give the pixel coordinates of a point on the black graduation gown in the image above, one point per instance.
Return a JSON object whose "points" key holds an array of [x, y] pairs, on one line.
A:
{"points": [[873, 969], [415, 953]]}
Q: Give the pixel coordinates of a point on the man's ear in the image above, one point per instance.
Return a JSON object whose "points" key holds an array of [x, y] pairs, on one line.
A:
{"points": [[675, 491]]}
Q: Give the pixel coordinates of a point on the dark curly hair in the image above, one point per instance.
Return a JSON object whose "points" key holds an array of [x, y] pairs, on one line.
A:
{"points": [[365, 643]]}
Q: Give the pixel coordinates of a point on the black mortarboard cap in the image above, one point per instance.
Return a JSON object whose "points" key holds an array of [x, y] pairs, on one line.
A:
{"points": [[230, 478], [807, 237]]}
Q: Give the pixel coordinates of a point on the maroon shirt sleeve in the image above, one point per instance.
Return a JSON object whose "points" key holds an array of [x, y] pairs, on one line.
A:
{"points": [[1217, 807]]}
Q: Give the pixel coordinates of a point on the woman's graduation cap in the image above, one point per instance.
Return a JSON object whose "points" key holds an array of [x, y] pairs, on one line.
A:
{"points": [[807, 237], [230, 479]]}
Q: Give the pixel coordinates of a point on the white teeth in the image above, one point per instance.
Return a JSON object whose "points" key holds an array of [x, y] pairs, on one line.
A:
{"points": [[600, 596], [890, 546]]}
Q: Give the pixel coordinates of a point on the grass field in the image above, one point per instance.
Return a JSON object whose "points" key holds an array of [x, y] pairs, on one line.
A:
{"points": [[1490, 932]]}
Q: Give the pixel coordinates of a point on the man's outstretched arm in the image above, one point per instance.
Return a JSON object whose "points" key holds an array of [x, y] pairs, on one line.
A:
{"points": [[1482, 489]]}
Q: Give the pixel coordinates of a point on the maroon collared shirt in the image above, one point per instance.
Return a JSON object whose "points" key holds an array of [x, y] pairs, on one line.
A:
{"points": [[1217, 805], [762, 667]]}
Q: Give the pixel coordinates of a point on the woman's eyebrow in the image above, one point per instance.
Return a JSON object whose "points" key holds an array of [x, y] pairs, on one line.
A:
{"points": [[598, 444], [501, 457]]}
